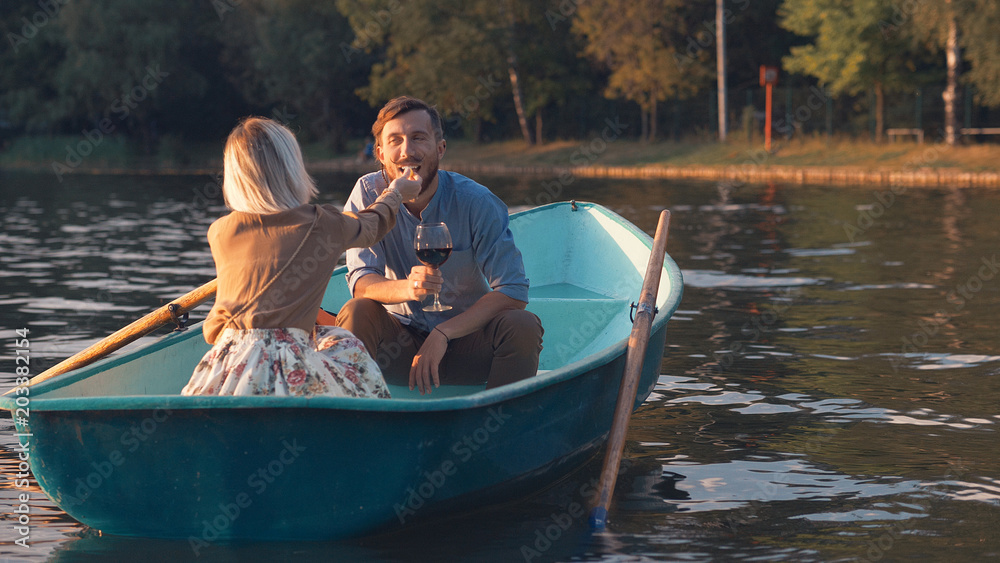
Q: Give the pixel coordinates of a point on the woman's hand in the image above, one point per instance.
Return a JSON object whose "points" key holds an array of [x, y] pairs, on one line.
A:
{"points": [[408, 187]]}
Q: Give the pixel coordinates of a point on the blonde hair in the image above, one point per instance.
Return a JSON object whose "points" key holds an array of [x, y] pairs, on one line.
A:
{"points": [[264, 172]]}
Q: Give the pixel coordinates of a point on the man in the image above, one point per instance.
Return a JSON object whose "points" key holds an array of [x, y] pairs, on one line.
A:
{"points": [[487, 336]]}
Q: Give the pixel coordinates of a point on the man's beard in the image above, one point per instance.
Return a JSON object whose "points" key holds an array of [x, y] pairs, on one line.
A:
{"points": [[427, 179]]}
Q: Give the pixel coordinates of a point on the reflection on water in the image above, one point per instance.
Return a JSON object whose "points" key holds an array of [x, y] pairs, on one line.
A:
{"points": [[828, 394]]}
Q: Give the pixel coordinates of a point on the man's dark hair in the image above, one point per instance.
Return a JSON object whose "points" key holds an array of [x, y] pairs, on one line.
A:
{"points": [[403, 104]]}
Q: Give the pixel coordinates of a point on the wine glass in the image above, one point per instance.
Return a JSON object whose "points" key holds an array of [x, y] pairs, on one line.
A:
{"points": [[433, 246]]}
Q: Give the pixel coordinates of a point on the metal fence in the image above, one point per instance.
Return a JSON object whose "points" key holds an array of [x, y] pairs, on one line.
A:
{"points": [[797, 111]]}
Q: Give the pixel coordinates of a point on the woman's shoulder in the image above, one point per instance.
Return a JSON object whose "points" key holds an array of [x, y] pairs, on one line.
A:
{"points": [[220, 225], [238, 222]]}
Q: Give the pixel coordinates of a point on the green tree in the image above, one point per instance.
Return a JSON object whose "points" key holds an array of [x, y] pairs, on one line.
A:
{"points": [[31, 49], [444, 52], [137, 68], [550, 67], [641, 42], [938, 25], [474, 60], [123, 60], [979, 22], [285, 57], [852, 49], [976, 23]]}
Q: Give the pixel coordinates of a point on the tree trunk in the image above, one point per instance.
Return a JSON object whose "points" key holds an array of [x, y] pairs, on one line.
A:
{"points": [[644, 124], [515, 83], [720, 65], [538, 127], [146, 137], [652, 121], [522, 119], [951, 92], [879, 112]]}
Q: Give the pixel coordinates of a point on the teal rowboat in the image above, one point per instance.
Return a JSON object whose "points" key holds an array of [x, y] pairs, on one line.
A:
{"points": [[118, 448]]}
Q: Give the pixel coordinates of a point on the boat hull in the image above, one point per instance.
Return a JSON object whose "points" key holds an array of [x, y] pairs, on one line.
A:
{"points": [[316, 473], [118, 448]]}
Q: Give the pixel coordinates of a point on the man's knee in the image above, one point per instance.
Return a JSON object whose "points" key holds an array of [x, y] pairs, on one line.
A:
{"points": [[520, 328], [359, 309], [517, 344]]}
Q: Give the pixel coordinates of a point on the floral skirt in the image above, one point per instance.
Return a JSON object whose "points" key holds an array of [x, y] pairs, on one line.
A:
{"points": [[287, 361]]}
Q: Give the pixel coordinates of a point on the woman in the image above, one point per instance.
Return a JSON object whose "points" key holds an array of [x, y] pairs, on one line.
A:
{"points": [[274, 255]]}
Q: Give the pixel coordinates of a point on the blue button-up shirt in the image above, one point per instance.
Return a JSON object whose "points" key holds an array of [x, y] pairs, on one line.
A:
{"points": [[483, 257]]}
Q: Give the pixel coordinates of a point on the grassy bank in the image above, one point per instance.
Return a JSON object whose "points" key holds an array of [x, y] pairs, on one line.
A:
{"points": [[808, 160], [101, 151], [800, 161], [810, 152], [81, 154]]}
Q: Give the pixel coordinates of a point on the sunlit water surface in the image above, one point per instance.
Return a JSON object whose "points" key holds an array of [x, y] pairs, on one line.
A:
{"points": [[830, 389]]}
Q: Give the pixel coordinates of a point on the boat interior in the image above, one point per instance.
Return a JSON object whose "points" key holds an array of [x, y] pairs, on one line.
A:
{"points": [[585, 268]]}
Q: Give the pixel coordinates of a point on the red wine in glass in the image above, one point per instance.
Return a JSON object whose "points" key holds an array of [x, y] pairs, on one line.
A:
{"points": [[433, 257], [432, 243]]}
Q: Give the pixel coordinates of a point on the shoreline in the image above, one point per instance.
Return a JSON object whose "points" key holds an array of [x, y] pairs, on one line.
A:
{"points": [[747, 173], [737, 175]]}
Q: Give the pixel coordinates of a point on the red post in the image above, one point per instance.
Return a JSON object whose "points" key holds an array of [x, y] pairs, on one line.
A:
{"points": [[767, 120], [768, 78]]}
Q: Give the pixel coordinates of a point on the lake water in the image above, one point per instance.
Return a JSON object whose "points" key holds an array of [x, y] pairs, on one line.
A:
{"points": [[830, 390]]}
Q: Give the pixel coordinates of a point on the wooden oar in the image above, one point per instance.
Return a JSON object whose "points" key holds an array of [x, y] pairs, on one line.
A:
{"points": [[638, 340], [130, 333]]}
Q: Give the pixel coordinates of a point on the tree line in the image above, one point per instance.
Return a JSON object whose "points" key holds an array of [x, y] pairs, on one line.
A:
{"points": [[533, 70]]}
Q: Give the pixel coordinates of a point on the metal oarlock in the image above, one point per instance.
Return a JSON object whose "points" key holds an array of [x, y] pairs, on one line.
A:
{"points": [[181, 321], [643, 308]]}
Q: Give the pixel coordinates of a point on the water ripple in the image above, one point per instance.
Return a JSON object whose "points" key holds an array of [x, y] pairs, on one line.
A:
{"points": [[725, 486], [909, 285], [859, 516], [714, 278], [936, 360], [835, 410]]}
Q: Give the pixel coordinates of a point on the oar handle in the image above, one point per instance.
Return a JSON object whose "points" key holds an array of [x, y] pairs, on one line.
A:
{"points": [[638, 341], [130, 333]]}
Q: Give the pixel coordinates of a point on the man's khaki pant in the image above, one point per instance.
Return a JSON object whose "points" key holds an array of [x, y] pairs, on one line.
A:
{"points": [[504, 351]]}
